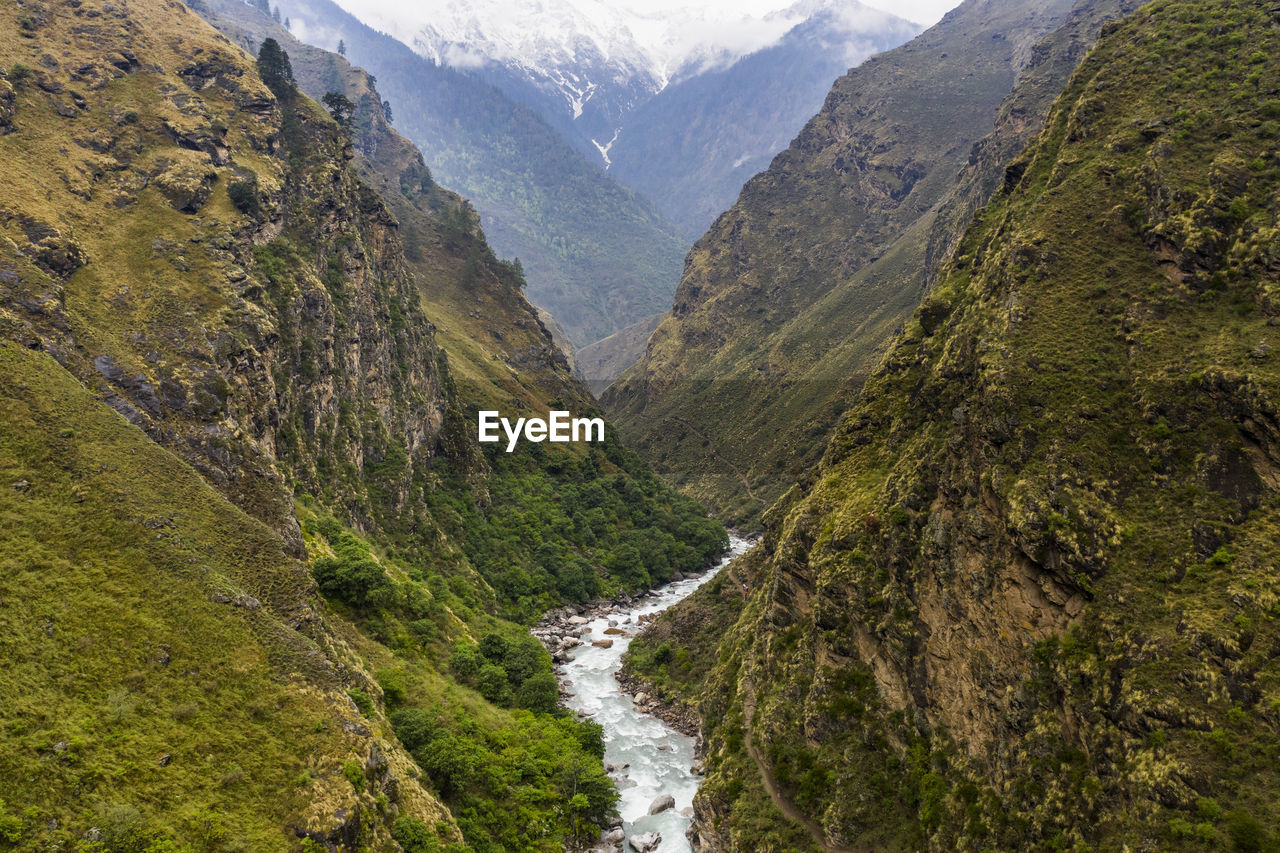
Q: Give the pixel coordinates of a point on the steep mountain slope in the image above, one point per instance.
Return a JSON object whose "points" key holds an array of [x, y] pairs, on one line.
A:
{"points": [[787, 302], [496, 345], [602, 362], [1028, 599], [168, 674], [595, 255], [220, 394], [692, 146]]}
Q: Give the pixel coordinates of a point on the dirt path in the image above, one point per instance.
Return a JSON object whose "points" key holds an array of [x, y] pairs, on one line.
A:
{"points": [[733, 576], [780, 800]]}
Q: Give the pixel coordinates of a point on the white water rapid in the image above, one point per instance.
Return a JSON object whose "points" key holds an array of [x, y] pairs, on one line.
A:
{"points": [[660, 758]]}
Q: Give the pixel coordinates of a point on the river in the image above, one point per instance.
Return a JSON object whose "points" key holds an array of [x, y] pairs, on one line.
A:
{"points": [[660, 758]]}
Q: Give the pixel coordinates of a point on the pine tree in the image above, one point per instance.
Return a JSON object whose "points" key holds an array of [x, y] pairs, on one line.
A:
{"points": [[340, 107], [275, 14], [274, 67], [342, 48]]}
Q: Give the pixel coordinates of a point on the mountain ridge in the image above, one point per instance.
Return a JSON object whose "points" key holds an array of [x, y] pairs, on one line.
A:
{"points": [[596, 255], [787, 302]]}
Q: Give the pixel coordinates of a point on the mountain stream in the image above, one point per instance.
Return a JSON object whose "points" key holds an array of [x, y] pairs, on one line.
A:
{"points": [[652, 758]]}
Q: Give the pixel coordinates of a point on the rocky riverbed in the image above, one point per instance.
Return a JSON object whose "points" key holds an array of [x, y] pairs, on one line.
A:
{"points": [[650, 745]]}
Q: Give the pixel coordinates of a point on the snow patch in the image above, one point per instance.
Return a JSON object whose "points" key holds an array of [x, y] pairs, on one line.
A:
{"points": [[604, 149]]}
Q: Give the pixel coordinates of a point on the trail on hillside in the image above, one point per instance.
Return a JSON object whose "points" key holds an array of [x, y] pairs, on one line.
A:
{"points": [[780, 800]]}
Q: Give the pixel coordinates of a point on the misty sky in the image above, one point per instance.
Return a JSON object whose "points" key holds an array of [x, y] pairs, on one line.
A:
{"points": [[925, 12]]}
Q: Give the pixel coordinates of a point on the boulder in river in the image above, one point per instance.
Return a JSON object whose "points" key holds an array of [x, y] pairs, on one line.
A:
{"points": [[662, 803], [645, 842], [603, 644], [615, 631]]}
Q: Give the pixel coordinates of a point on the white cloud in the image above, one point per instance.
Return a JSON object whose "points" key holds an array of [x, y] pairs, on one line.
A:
{"points": [[925, 12]]}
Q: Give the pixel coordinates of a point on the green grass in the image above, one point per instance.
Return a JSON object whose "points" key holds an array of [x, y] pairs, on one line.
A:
{"points": [[129, 689]]}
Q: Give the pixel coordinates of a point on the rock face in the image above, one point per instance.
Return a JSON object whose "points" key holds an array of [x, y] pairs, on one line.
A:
{"points": [[1028, 585], [254, 383], [787, 303]]}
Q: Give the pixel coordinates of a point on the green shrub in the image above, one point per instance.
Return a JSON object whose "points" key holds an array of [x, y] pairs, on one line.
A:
{"points": [[362, 700], [359, 582], [539, 693], [392, 683], [354, 773], [10, 826], [492, 683], [465, 661], [1248, 835], [244, 195], [414, 835], [415, 727]]}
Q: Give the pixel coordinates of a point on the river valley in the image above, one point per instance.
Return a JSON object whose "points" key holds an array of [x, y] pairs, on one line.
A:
{"points": [[651, 758]]}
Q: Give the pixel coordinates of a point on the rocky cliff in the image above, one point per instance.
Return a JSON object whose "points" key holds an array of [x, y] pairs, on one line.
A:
{"points": [[787, 303], [1027, 599]]}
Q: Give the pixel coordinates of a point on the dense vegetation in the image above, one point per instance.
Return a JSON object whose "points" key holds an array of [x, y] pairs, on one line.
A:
{"points": [[576, 529], [480, 717], [1028, 600]]}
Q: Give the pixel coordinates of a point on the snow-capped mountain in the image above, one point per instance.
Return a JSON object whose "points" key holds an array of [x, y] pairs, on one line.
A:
{"points": [[586, 64], [692, 147]]}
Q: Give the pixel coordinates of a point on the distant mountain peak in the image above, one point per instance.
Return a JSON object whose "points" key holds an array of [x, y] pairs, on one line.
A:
{"points": [[594, 52]]}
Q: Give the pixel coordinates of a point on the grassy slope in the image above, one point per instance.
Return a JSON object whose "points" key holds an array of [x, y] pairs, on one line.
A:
{"points": [[787, 303], [602, 362], [137, 702], [1027, 601]]}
